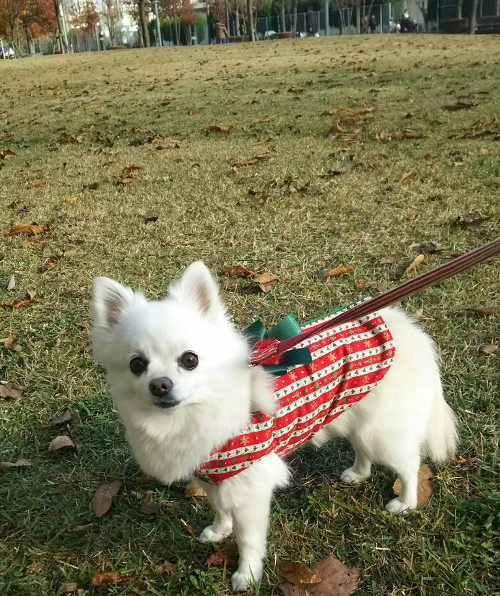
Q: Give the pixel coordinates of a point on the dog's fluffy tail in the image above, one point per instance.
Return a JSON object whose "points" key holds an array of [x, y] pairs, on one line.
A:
{"points": [[442, 438]]}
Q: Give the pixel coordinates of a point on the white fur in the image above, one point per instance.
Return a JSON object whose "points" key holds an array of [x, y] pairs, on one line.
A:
{"points": [[404, 418]]}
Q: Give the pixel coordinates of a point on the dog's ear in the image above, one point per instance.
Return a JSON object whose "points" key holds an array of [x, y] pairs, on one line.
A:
{"points": [[198, 287], [109, 301]]}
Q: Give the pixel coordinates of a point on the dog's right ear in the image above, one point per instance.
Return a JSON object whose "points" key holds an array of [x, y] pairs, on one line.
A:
{"points": [[110, 300]]}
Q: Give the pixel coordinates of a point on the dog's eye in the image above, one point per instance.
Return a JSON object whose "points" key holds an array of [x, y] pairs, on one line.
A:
{"points": [[138, 365], [188, 360]]}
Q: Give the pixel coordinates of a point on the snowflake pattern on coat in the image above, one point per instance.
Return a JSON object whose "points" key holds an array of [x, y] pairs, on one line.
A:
{"points": [[348, 361]]}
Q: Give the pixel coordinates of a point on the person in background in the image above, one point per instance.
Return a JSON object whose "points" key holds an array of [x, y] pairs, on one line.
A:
{"points": [[220, 32], [373, 23]]}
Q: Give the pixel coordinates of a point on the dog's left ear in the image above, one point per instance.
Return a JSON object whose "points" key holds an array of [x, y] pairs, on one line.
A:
{"points": [[198, 287]]}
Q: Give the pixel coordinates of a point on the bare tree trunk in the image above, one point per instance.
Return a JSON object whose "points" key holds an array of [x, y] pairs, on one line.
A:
{"points": [[237, 18], [64, 47], [358, 17], [459, 9], [294, 25], [251, 31], [497, 10], [283, 18], [472, 18], [144, 24]]}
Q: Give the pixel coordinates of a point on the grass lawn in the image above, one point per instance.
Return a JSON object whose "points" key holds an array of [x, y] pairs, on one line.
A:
{"points": [[340, 151]]}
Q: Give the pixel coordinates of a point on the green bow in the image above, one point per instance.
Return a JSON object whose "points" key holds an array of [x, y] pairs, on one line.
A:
{"points": [[286, 328]]}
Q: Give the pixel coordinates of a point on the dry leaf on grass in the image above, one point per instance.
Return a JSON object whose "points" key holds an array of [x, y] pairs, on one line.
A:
{"points": [[11, 389], [12, 282], [103, 497], [194, 490], [32, 229], [28, 299], [298, 574], [458, 459], [417, 261], [324, 273], [489, 349], [62, 442], [427, 248], [336, 579], [224, 556], [472, 220], [68, 588], [485, 310], [148, 502], [237, 271], [265, 281], [460, 105], [11, 343], [101, 579], [20, 463], [69, 417], [388, 260], [7, 153], [166, 568], [424, 487], [220, 128]]}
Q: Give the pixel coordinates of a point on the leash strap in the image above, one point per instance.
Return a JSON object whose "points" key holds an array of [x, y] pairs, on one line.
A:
{"points": [[405, 290]]}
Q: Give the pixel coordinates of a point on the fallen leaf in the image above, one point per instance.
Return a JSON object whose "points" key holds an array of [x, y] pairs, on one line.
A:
{"points": [[101, 579], [26, 301], [20, 463], [237, 271], [61, 442], [332, 111], [103, 497], [70, 417], [424, 487], [389, 260], [148, 502], [269, 118], [427, 248], [7, 153], [224, 556], [11, 389], [166, 568], [264, 281], [472, 220], [31, 229], [406, 176], [485, 310], [72, 199], [50, 263], [68, 588], [489, 349], [12, 282], [324, 273], [458, 459], [360, 285], [336, 579], [83, 325], [220, 128], [11, 344], [126, 180], [460, 105], [298, 574], [194, 490], [417, 261]]}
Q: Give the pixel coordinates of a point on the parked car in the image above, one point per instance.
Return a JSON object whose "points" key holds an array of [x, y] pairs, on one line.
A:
{"points": [[8, 51]]}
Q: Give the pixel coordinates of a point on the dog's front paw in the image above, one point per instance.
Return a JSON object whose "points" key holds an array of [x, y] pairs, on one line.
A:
{"points": [[208, 535], [397, 506], [349, 476], [241, 580]]}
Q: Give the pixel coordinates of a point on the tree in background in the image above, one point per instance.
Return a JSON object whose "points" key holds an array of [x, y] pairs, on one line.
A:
{"points": [[33, 18], [188, 18], [84, 18], [110, 14]]}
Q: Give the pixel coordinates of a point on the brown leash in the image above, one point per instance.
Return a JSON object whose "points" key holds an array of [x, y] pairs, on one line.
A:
{"points": [[405, 290]]}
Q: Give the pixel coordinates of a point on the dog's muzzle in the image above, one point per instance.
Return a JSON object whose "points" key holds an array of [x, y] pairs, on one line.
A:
{"points": [[161, 390]]}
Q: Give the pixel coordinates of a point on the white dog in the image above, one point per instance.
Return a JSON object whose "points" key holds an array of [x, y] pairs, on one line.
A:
{"points": [[179, 376]]}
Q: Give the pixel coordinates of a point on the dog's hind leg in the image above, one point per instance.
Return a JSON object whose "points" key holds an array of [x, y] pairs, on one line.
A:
{"points": [[406, 466], [361, 468]]}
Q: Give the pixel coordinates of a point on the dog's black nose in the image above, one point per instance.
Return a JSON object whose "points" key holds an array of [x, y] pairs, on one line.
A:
{"points": [[161, 387]]}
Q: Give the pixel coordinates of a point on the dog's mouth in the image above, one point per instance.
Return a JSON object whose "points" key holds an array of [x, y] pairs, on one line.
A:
{"points": [[166, 404]]}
